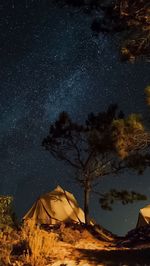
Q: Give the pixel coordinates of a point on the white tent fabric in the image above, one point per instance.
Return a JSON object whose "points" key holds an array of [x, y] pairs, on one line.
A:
{"points": [[54, 207], [144, 216]]}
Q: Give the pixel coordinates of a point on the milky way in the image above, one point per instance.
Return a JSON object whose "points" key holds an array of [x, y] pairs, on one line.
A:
{"points": [[51, 62]]}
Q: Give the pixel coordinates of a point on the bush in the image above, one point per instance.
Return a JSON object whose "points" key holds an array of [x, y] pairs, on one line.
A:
{"points": [[7, 216]]}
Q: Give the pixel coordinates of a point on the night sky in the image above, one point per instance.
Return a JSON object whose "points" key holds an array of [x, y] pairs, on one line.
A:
{"points": [[51, 62]]}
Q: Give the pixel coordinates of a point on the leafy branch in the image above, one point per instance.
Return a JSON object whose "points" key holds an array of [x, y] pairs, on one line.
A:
{"points": [[108, 199]]}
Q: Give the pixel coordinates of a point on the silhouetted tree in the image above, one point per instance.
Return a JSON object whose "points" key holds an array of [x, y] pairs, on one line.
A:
{"points": [[105, 144], [132, 17], [129, 16], [107, 199]]}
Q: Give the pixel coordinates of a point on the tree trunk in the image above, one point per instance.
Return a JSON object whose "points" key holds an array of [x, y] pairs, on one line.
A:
{"points": [[86, 201]]}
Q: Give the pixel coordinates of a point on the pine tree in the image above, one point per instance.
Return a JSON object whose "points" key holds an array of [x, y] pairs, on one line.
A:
{"points": [[105, 144]]}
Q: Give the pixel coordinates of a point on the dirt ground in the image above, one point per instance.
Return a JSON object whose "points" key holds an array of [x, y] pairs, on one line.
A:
{"points": [[70, 245]]}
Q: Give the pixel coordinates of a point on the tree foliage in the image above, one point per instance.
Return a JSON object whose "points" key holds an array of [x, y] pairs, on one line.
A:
{"points": [[6, 211], [130, 17], [105, 144], [135, 15], [129, 135], [107, 199]]}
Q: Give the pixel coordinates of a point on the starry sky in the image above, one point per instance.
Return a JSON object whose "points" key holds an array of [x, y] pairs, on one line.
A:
{"points": [[51, 62]]}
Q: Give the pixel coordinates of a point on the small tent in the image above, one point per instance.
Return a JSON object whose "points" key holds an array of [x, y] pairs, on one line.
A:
{"points": [[144, 216], [54, 207]]}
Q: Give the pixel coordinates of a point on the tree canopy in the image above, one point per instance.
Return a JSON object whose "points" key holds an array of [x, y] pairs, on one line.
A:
{"points": [[135, 15], [131, 18], [105, 144]]}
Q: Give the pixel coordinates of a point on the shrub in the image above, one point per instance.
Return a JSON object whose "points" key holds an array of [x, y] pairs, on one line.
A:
{"points": [[6, 211]]}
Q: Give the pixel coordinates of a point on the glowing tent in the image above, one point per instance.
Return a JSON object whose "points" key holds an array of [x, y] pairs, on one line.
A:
{"points": [[54, 207], [144, 216]]}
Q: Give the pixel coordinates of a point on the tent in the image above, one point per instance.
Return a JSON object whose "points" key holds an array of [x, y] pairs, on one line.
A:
{"points": [[144, 216], [54, 207]]}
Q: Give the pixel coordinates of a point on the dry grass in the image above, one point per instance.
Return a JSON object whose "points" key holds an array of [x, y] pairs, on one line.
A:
{"points": [[7, 239], [33, 246], [39, 246], [68, 245]]}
